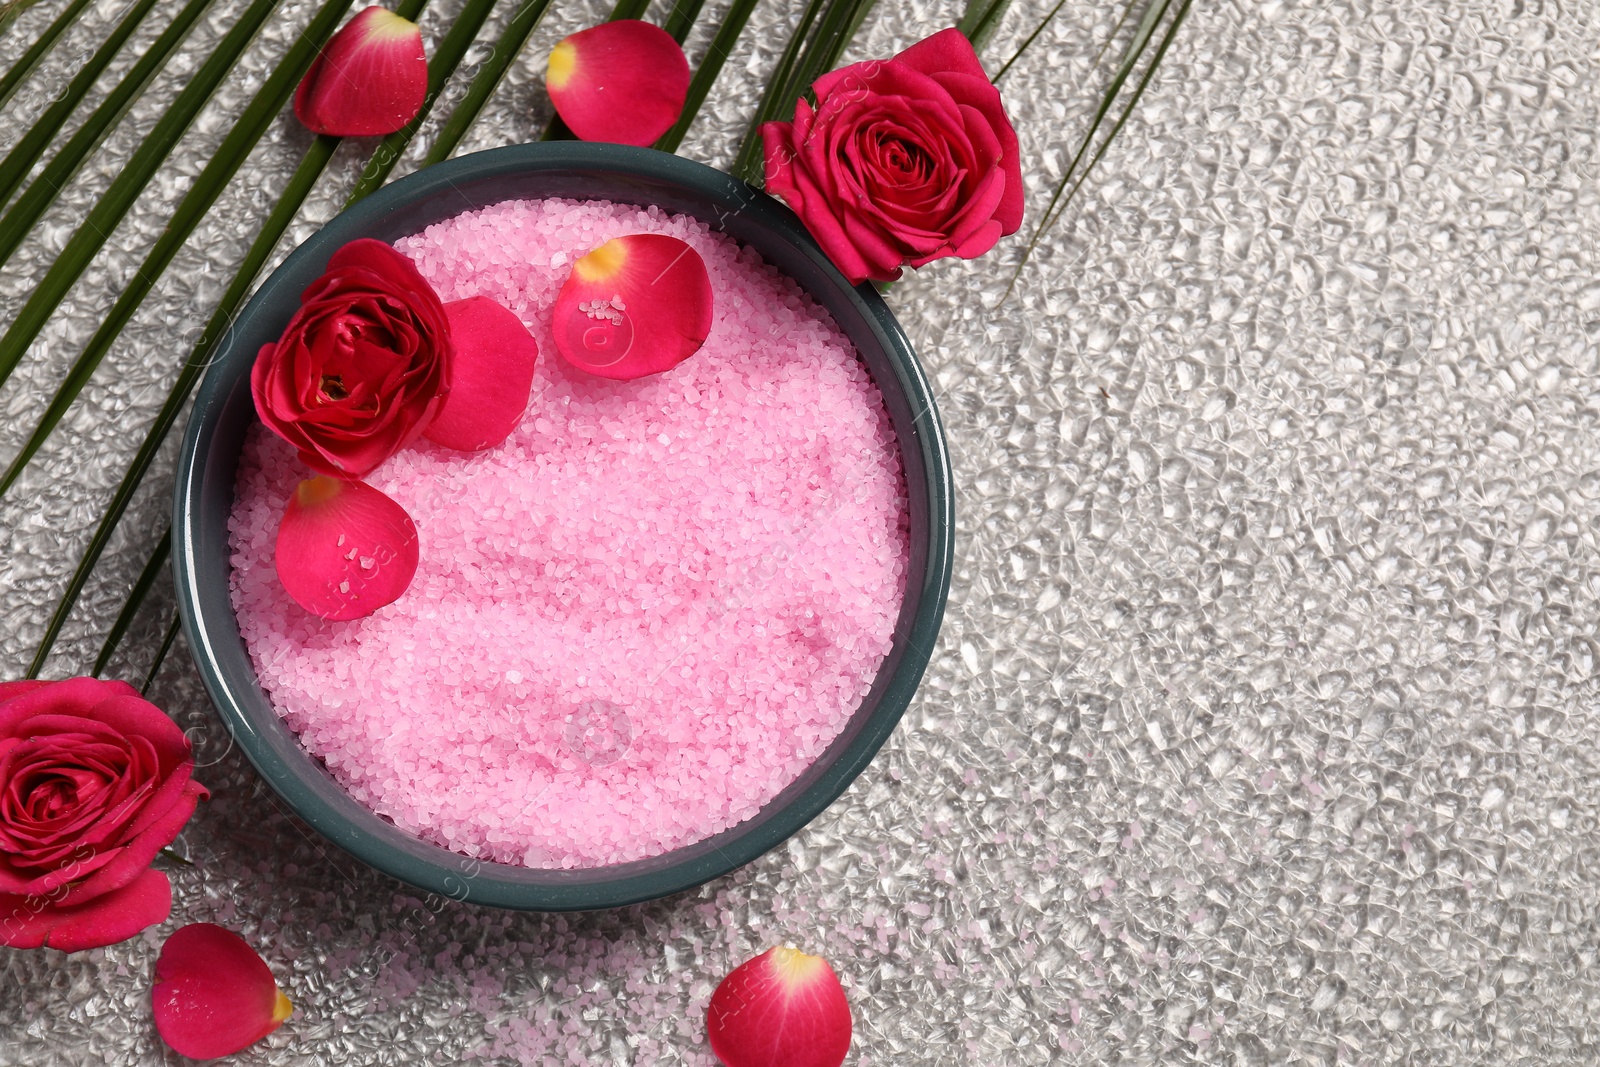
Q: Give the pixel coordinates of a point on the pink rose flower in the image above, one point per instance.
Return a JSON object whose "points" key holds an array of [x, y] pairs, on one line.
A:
{"points": [[94, 781], [363, 366], [902, 161]]}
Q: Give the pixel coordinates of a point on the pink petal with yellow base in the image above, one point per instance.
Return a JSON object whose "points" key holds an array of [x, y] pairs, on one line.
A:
{"points": [[344, 548], [637, 305], [213, 994], [369, 81], [622, 81], [781, 1009], [491, 377]]}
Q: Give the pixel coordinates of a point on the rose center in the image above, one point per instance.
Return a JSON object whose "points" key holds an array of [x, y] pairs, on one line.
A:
{"points": [[906, 158], [52, 798], [333, 387], [43, 793]]}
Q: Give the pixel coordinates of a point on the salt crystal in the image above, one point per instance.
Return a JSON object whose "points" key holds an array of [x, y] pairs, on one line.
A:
{"points": [[713, 613]]}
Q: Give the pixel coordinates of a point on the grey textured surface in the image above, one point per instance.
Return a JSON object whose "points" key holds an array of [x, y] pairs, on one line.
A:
{"points": [[1261, 730]]}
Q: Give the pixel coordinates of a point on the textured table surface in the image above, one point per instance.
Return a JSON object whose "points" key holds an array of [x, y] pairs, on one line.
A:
{"points": [[1261, 727]]}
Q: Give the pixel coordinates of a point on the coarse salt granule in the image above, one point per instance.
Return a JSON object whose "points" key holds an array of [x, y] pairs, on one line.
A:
{"points": [[636, 620]]}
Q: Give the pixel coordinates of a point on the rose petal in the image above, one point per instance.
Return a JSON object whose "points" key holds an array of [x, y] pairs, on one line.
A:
{"points": [[779, 148], [213, 994], [370, 80], [976, 244], [781, 1009], [979, 212], [68, 697], [830, 233], [493, 375], [872, 83], [139, 852], [11, 689], [387, 263], [53, 883], [134, 716], [947, 50], [871, 239], [637, 305], [979, 94], [622, 81], [37, 922], [344, 548]]}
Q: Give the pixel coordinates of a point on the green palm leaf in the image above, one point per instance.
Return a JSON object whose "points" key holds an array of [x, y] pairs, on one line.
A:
{"points": [[1072, 180], [705, 75], [24, 66], [506, 49], [778, 83], [981, 19], [155, 669], [14, 168], [681, 19], [130, 607], [311, 167], [39, 195], [111, 207], [230, 155], [312, 164]]}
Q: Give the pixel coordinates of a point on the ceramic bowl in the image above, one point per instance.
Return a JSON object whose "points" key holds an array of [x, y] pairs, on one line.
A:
{"points": [[223, 411]]}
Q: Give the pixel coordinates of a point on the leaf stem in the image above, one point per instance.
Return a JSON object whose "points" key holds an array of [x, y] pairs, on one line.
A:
{"points": [[28, 60], [1127, 10], [155, 669], [1141, 38], [506, 50], [705, 75], [130, 607]]}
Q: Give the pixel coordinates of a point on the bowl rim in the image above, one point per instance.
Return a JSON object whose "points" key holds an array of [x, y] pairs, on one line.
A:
{"points": [[431, 867]]}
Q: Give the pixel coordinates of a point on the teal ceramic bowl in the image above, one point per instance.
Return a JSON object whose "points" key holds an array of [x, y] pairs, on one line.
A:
{"points": [[223, 411]]}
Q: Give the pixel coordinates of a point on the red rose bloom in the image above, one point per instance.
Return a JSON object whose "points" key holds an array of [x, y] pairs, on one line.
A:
{"points": [[94, 781], [363, 366], [902, 161]]}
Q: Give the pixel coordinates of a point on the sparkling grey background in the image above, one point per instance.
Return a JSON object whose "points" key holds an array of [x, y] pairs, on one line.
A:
{"points": [[1261, 726]]}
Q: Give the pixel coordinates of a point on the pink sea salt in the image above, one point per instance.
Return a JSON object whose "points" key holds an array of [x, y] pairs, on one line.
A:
{"points": [[636, 620]]}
